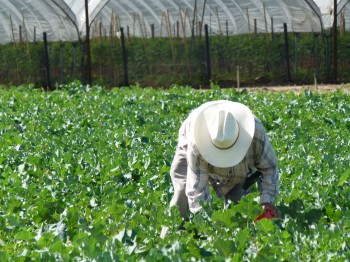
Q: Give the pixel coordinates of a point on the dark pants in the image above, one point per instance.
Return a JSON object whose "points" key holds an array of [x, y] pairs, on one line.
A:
{"points": [[234, 195]]}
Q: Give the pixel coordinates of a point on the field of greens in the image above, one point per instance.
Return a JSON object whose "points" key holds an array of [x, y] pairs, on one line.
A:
{"points": [[84, 176]]}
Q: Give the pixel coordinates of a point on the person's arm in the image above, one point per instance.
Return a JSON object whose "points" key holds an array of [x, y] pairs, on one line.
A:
{"points": [[267, 164], [178, 173], [197, 187]]}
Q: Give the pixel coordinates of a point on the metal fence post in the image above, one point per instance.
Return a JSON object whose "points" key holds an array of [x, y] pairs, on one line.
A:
{"points": [[207, 52], [287, 51], [124, 57], [47, 63]]}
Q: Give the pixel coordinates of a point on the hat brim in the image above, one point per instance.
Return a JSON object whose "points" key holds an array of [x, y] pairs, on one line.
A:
{"points": [[224, 157]]}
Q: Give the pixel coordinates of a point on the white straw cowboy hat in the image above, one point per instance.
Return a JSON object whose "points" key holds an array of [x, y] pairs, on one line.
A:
{"points": [[223, 132]]}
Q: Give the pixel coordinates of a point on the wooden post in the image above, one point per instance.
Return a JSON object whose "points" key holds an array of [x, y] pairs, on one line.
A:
{"points": [[335, 42], [47, 63], [183, 27], [152, 30], [20, 35], [238, 81], [112, 28], [286, 42], [13, 34], [177, 29], [143, 26], [255, 28], [124, 57], [161, 25], [207, 53], [248, 21], [218, 19], [316, 54], [100, 31], [184, 23], [328, 59], [26, 35], [194, 17], [296, 38], [61, 61], [202, 18], [272, 28], [265, 20], [167, 16], [342, 23], [226, 28], [74, 59]]}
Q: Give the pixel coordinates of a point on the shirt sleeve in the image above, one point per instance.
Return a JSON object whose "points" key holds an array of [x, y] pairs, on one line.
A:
{"points": [[267, 163], [197, 187], [178, 168]]}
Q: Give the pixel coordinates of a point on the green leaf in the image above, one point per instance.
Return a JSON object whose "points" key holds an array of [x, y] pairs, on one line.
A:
{"points": [[225, 247], [344, 177], [243, 238]]}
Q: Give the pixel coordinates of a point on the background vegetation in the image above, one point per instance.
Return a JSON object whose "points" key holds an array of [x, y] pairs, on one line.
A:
{"points": [[161, 62]]}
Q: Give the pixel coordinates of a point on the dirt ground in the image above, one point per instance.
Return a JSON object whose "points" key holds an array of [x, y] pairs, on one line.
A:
{"points": [[297, 89]]}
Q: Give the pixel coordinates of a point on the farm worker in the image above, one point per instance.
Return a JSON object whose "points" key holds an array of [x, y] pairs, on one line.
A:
{"points": [[223, 144]]}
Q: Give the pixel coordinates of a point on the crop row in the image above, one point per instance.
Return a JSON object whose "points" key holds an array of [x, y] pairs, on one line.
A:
{"points": [[84, 175]]}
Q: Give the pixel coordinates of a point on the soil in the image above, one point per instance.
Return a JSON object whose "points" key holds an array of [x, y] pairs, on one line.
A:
{"points": [[345, 88]]}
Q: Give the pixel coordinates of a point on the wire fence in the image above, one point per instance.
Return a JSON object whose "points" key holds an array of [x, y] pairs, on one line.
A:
{"points": [[244, 60]]}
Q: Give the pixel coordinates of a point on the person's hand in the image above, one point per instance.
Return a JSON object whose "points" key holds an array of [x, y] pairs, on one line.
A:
{"points": [[270, 211]]}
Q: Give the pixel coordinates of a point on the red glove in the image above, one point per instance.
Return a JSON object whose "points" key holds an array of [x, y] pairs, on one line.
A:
{"points": [[270, 211]]}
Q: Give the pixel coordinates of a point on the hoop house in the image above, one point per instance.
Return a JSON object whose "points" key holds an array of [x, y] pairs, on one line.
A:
{"points": [[184, 17], [63, 20], [27, 20]]}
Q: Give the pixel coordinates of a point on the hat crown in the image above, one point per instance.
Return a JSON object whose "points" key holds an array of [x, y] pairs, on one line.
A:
{"points": [[224, 130]]}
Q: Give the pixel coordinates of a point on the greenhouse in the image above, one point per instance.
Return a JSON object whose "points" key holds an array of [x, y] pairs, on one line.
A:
{"points": [[243, 43], [65, 20], [167, 40]]}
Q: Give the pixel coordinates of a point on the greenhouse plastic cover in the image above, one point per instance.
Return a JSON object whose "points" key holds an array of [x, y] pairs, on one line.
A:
{"points": [[28, 19], [64, 20], [222, 16], [343, 18]]}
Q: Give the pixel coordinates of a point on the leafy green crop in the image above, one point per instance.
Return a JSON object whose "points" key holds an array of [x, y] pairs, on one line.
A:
{"points": [[84, 175]]}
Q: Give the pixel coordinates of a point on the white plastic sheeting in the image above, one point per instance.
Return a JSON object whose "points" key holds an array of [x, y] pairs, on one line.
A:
{"points": [[64, 20], [78, 8], [27, 20], [187, 17], [344, 14], [343, 18]]}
